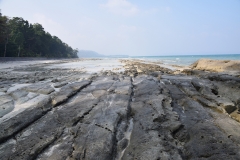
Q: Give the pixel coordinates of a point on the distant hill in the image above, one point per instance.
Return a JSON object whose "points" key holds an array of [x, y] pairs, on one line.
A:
{"points": [[87, 53]]}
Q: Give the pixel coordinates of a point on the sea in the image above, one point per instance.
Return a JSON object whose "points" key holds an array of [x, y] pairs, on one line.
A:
{"points": [[184, 60]]}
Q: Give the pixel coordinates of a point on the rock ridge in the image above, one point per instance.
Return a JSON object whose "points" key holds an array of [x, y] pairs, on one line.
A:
{"points": [[145, 112]]}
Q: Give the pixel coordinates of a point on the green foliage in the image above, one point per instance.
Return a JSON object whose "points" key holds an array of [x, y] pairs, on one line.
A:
{"points": [[20, 38]]}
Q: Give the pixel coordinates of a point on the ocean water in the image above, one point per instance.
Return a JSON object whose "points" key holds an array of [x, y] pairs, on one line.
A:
{"points": [[185, 60]]}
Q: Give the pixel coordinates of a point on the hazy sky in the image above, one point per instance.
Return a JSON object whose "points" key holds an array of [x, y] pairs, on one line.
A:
{"points": [[137, 27]]}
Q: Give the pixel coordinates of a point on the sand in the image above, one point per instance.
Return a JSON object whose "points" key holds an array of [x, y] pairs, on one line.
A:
{"points": [[87, 65], [12, 64], [217, 65]]}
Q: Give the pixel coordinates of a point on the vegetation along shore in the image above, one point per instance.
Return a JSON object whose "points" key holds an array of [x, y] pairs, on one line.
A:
{"points": [[19, 38]]}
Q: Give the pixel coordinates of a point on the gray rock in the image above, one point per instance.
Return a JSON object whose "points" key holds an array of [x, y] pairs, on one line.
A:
{"points": [[7, 149], [227, 105], [5, 99], [99, 93], [23, 116], [60, 84], [68, 91], [45, 90], [202, 133], [18, 94], [41, 88], [207, 103], [151, 134], [59, 151], [152, 115], [32, 140], [6, 105]]}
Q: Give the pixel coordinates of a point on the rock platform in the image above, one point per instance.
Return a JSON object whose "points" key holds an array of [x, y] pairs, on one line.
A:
{"points": [[145, 112]]}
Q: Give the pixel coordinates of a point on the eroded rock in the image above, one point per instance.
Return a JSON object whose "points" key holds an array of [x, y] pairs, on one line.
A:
{"points": [[148, 112], [68, 91], [6, 105]]}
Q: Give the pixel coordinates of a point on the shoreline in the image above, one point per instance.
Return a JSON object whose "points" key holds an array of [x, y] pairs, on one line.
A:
{"points": [[232, 66], [29, 58]]}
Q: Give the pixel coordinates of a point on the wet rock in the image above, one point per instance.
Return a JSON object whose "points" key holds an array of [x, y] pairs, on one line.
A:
{"points": [[188, 89], [60, 151], [227, 105], [145, 113], [41, 78], [18, 94], [49, 127], [55, 80], [147, 86], [205, 86], [3, 89], [41, 88], [67, 91], [151, 135], [99, 93], [230, 90], [222, 77], [46, 90], [204, 135], [235, 115], [5, 99], [104, 122], [23, 115], [207, 103], [32, 140], [6, 105], [58, 85], [122, 87], [7, 149]]}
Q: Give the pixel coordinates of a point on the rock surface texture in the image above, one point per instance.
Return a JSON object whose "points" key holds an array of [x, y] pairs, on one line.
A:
{"points": [[217, 65], [144, 113]]}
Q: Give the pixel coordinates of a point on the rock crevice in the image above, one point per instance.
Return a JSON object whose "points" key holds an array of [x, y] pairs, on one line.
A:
{"points": [[146, 112]]}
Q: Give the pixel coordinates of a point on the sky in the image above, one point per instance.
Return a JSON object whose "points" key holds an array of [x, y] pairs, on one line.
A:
{"points": [[137, 27]]}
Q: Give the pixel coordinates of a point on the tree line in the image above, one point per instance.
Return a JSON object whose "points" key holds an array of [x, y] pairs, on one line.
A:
{"points": [[19, 38]]}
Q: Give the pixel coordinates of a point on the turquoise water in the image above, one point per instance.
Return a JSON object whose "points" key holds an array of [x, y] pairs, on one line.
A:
{"points": [[186, 59]]}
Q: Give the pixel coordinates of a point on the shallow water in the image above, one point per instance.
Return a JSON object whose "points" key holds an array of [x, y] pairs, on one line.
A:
{"points": [[185, 60], [92, 66]]}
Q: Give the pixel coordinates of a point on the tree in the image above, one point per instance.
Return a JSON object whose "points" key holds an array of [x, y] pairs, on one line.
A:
{"points": [[25, 39], [18, 39], [4, 32]]}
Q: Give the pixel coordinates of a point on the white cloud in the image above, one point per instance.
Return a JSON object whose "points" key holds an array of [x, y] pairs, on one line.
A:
{"points": [[126, 32], [151, 11], [126, 28], [167, 9], [53, 27], [121, 7], [86, 21], [40, 18]]}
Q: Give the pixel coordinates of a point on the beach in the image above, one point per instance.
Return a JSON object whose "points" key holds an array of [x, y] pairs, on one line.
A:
{"points": [[119, 108]]}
